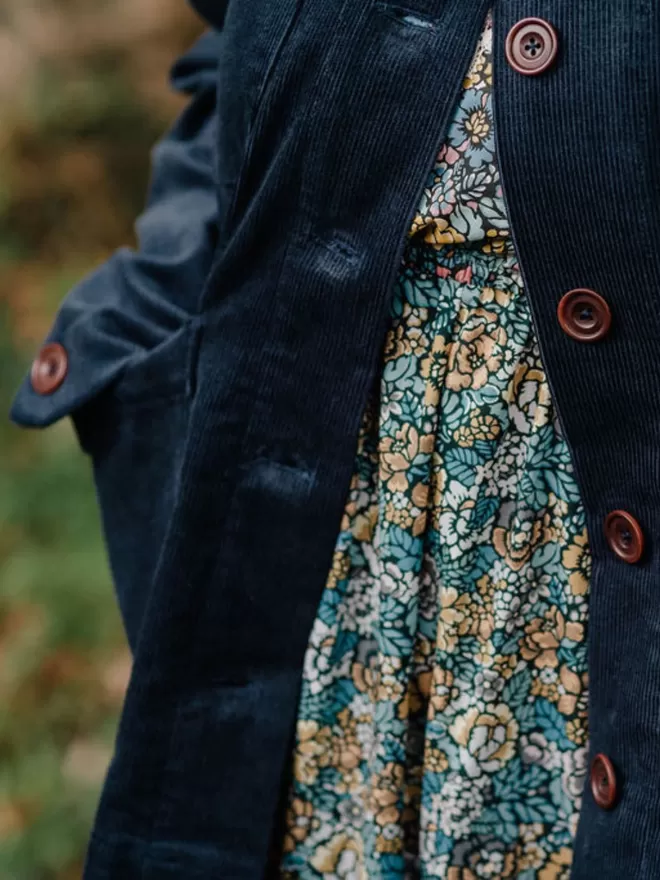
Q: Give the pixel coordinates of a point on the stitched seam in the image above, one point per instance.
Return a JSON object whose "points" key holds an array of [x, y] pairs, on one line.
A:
{"points": [[258, 109], [157, 820]]}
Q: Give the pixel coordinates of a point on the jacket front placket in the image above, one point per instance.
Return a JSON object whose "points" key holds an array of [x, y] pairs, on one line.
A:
{"points": [[578, 156]]}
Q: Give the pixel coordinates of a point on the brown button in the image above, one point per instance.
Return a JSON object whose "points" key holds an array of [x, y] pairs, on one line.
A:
{"points": [[531, 46], [624, 535], [584, 315], [49, 368], [603, 782]]}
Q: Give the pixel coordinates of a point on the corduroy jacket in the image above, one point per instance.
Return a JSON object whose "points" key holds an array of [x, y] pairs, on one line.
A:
{"points": [[217, 376]]}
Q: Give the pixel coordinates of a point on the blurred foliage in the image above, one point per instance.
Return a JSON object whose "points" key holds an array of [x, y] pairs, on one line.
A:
{"points": [[83, 96]]}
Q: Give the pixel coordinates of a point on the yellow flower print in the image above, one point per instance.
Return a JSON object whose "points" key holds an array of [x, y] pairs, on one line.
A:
{"points": [[477, 351], [439, 232], [452, 617], [364, 524], [477, 126], [298, 823], [504, 665], [350, 755], [366, 677], [501, 298], [548, 690], [386, 791], [497, 241], [398, 512], [420, 494], [488, 738], [577, 730], [516, 543], [480, 71], [361, 509], [347, 751], [572, 690], [387, 814], [577, 559], [408, 337], [481, 622], [390, 841], [531, 831], [482, 426], [420, 498], [342, 856], [529, 397], [341, 564], [455, 873], [433, 369], [559, 506], [529, 854], [544, 635], [350, 782], [415, 317], [541, 642], [399, 453], [423, 651], [490, 589], [485, 653], [501, 865], [558, 866], [442, 690], [485, 585], [348, 516], [464, 436], [552, 528], [390, 686], [435, 760], [313, 751]]}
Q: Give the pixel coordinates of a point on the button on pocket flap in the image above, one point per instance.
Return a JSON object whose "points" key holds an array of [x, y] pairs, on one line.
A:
{"points": [[70, 370]]}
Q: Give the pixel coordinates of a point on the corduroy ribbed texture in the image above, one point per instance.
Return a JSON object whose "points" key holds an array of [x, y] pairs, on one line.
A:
{"points": [[294, 316], [330, 114], [579, 157]]}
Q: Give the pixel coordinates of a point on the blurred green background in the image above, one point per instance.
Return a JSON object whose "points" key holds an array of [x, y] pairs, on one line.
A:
{"points": [[83, 96]]}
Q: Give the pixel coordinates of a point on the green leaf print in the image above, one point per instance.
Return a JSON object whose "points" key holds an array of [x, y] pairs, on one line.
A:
{"points": [[516, 690], [534, 809], [552, 723]]}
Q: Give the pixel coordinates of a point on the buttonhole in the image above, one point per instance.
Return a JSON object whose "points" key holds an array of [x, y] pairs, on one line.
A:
{"points": [[406, 16]]}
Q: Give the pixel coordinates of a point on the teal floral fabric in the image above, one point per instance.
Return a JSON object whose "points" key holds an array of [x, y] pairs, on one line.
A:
{"points": [[442, 729]]}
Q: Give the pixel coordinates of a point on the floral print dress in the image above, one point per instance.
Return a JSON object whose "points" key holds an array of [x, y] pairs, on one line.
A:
{"points": [[442, 727]]}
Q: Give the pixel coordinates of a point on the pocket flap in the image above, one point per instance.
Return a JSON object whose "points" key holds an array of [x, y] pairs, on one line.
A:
{"points": [[108, 325]]}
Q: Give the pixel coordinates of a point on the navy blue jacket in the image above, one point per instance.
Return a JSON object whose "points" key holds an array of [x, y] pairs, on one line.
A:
{"points": [[217, 378]]}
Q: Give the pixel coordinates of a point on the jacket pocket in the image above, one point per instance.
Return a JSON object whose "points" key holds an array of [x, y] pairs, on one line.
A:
{"points": [[134, 432], [157, 378]]}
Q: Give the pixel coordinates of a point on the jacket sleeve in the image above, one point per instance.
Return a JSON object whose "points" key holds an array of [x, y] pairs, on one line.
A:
{"points": [[138, 299]]}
